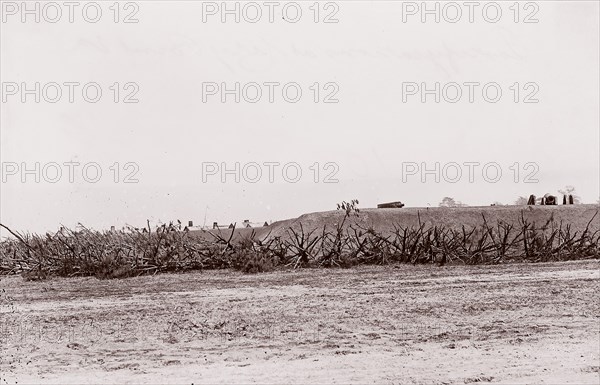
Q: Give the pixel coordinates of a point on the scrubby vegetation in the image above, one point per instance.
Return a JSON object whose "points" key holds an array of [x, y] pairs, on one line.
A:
{"points": [[116, 254]]}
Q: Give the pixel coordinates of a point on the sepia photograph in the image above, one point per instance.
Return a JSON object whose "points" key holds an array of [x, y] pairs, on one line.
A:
{"points": [[300, 192]]}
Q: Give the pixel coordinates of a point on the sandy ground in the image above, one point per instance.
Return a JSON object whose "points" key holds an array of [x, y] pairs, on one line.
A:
{"points": [[527, 323]]}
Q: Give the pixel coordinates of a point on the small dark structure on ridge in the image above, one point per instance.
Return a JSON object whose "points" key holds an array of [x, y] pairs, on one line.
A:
{"points": [[390, 205], [568, 199], [549, 200]]}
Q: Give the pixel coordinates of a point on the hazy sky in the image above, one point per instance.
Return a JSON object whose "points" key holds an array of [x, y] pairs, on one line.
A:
{"points": [[368, 61]]}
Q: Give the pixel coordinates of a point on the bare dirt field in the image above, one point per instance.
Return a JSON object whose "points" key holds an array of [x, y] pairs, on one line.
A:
{"points": [[520, 323]]}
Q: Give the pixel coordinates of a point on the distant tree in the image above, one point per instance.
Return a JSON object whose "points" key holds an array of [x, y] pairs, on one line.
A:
{"points": [[450, 202], [496, 203], [570, 190], [521, 201]]}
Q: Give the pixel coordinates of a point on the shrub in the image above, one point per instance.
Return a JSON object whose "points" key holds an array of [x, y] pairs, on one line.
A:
{"points": [[130, 253]]}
